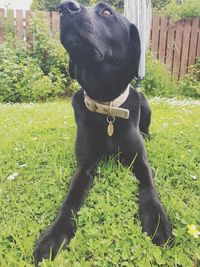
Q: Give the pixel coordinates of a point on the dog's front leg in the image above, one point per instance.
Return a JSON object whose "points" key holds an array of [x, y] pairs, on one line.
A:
{"points": [[153, 217], [62, 229]]}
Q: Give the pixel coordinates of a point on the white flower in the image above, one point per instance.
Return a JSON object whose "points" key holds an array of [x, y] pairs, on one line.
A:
{"points": [[13, 176], [23, 165]]}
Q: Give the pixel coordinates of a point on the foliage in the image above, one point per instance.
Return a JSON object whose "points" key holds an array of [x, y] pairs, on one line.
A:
{"points": [[17, 74], [157, 81], [37, 143], [49, 52], [9, 30], [159, 4], [190, 85], [188, 8], [45, 4], [37, 74]]}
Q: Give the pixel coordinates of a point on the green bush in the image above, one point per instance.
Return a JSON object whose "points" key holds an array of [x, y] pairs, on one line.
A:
{"points": [[33, 75], [188, 8], [157, 81], [190, 85], [159, 4]]}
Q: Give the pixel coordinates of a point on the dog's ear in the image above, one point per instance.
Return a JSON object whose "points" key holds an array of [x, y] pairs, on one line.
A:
{"points": [[71, 69], [135, 48]]}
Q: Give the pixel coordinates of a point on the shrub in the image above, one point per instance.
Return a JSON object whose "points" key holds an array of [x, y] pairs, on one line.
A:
{"points": [[190, 85], [159, 4], [37, 74], [188, 8], [20, 75], [157, 81]]}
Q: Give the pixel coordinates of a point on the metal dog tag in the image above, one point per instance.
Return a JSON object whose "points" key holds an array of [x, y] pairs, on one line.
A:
{"points": [[110, 129]]}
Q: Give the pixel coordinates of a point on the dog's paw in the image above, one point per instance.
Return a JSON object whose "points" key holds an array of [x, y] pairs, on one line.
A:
{"points": [[49, 244], [156, 223]]}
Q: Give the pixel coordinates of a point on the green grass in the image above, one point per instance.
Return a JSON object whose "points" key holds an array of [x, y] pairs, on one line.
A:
{"points": [[37, 143]]}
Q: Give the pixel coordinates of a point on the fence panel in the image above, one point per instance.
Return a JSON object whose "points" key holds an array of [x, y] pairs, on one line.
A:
{"points": [[176, 44]]}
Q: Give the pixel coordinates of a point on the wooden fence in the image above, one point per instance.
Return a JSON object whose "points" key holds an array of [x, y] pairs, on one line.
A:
{"points": [[175, 44]]}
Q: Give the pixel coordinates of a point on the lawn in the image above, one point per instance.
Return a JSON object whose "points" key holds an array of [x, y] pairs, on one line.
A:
{"points": [[37, 161]]}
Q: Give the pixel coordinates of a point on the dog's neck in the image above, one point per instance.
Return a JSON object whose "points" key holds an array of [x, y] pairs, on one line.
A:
{"points": [[111, 108]]}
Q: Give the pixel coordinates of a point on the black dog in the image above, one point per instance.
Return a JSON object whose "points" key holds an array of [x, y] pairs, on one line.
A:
{"points": [[104, 49]]}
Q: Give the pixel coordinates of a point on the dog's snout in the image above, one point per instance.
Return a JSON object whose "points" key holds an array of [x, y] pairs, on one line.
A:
{"points": [[69, 7]]}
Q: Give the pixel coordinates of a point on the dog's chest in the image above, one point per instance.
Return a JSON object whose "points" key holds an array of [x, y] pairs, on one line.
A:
{"points": [[111, 146]]}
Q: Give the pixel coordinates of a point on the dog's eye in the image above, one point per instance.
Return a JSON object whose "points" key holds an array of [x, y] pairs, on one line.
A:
{"points": [[106, 12]]}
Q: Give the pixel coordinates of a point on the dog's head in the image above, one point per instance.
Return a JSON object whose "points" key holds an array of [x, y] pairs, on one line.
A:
{"points": [[104, 48]]}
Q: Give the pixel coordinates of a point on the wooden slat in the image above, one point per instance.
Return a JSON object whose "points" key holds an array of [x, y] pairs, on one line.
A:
{"points": [[163, 37], [19, 24], [177, 48], [29, 36], [193, 40], [155, 34], [2, 15], [55, 23], [198, 41], [186, 40], [198, 46], [170, 44], [47, 16]]}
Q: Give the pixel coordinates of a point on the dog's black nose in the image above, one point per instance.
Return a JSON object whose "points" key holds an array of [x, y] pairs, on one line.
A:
{"points": [[69, 7]]}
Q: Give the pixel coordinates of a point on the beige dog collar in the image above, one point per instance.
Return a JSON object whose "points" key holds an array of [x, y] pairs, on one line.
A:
{"points": [[111, 108]]}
